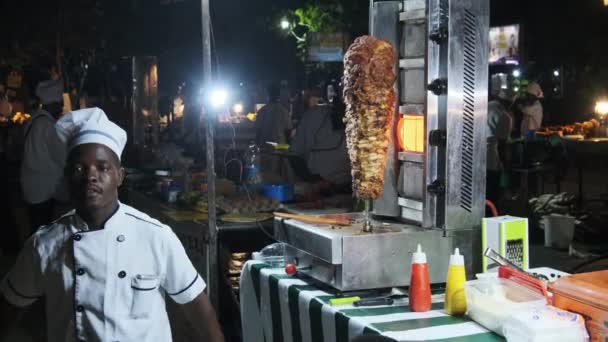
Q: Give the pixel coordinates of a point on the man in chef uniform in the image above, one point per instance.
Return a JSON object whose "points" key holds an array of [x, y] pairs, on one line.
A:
{"points": [[105, 267]]}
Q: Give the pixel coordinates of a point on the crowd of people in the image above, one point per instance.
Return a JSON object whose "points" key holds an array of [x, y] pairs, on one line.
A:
{"points": [[510, 118]]}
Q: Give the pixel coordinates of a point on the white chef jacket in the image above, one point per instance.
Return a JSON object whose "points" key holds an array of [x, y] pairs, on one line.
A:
{"points": [[107, 284], [43, 160]]}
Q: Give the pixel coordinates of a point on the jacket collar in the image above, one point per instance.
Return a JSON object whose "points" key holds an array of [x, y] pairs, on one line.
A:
{"points": [[81, 225]]}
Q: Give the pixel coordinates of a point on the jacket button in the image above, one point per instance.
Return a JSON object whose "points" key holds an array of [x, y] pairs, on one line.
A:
{"points": [[77, 237], [122, 274], [80, 308], [120, 238], [80, 271]]}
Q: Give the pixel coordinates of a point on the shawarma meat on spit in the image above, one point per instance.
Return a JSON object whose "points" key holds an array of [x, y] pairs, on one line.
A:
{"points": [[369, 95]]}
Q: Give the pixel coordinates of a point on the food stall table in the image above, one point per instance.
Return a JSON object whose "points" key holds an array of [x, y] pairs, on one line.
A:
{"points": [[539, 172], [278, 307], [587, 153]]}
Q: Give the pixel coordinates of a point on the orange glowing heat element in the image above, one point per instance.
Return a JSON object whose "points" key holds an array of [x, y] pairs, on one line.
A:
{"points": [[410, 133]]}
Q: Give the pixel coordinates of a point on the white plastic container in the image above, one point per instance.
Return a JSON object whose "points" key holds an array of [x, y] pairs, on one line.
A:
{"points": [[491, 301], [545, 324], [559, 230]]}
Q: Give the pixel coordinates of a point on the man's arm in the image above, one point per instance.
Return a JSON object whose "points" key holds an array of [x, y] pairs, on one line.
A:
{"points": [[20, 287], [202, 318], [185, 286]]}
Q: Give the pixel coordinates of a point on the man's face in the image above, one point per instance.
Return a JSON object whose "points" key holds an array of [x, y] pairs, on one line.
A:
{"points": [[94, 174]]}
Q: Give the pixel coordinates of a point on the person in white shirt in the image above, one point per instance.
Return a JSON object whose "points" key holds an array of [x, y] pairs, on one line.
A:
{"points": [[500, 125], [321, 143], [104, 268], [41, 170], [532, 110]]}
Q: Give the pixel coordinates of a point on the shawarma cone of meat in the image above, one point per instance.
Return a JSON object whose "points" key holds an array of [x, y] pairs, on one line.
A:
{"points": [[369, 95]]}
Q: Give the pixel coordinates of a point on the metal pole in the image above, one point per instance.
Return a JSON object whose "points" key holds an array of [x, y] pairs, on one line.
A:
{"points": [[212, 247]]}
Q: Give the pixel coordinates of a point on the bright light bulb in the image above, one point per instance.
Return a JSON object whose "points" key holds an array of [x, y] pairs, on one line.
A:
{"points": [[516, 73], [556, 73], [218, 98], [601, 107], [285, 24], [516, 89], [238, 108]]}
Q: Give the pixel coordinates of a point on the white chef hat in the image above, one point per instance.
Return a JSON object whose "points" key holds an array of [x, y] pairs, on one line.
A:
{"points": [[91, 126], [49, 91]]}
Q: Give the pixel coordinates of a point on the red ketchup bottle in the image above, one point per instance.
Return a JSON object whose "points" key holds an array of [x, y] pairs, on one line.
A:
{"points": [[420, 285]]}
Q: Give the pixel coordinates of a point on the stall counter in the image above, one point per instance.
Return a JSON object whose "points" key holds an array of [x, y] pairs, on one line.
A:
{"points": [[278, 307]]}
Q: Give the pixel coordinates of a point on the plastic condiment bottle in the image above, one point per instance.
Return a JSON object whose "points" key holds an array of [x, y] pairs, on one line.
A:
{"points": [[420, 285], [455, 299]]}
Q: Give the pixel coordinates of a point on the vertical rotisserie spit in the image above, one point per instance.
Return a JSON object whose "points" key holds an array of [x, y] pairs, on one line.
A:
{"points": [[369, 95]]}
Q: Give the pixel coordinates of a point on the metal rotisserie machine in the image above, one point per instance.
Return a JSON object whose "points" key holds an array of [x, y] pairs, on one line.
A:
{"points": [[434, 188]]}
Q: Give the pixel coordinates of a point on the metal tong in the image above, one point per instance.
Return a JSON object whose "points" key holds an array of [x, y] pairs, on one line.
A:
{"points": [[499, 259]]}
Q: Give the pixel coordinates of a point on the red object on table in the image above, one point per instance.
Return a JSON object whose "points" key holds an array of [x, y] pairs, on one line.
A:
{"points": [[420, 284], [291, 269], [524, 280], [585, 294], [420, 288]]}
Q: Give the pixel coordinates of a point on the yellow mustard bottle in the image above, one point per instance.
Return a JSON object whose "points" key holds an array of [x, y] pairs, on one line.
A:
{"points": [[455, 299]]}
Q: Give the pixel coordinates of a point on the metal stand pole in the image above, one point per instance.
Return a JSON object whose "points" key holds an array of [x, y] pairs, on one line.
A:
{"points": [[212, 246]]}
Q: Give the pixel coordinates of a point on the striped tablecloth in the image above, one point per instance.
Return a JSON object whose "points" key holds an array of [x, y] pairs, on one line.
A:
{"points": [[276, 307]]}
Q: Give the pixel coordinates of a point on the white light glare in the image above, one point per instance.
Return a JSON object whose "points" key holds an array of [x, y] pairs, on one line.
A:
{"points": [[516, 73], [516, 89], [238, 108], [601, 107], [218, 98], [285, 24], [556, 73]]}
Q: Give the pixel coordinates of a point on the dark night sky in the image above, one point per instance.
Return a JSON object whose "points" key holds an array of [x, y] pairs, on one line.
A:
{"points": [[556, 32]]}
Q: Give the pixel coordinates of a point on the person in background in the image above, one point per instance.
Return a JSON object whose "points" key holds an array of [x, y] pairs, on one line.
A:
{"points": [[531, 109], [320, 146], [272, 124], [104, 268], [41, 173], [299, 105], [9, 244], [500, 124]]}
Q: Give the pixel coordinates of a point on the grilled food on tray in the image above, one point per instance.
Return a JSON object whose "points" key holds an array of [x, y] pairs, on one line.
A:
{"points": [[585, 128], [369, 95]]}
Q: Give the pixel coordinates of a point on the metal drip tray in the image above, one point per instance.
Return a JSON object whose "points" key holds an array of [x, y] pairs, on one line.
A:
{"points": [[349, 259]]}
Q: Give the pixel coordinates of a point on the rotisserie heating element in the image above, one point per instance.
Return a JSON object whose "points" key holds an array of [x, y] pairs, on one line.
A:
{"points": [[369, 79]]}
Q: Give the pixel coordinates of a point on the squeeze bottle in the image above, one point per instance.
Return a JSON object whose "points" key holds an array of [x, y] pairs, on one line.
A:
{"points": [[420, 285], [455, 299]]}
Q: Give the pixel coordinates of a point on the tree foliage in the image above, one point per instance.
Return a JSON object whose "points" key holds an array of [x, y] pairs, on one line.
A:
{"points": [[349, 17], [318, 18]]}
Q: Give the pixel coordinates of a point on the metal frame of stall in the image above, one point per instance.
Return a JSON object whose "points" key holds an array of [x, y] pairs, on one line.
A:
{"points": [[212, 241]]}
